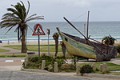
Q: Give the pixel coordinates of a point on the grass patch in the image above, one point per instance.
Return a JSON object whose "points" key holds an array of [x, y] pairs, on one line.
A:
{"points": [[12, 55], [43, 48], [111, 66], [3, 50]]}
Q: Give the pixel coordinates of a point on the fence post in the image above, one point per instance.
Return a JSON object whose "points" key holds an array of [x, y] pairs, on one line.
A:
{"points": [[55, 67], [43, 65]]}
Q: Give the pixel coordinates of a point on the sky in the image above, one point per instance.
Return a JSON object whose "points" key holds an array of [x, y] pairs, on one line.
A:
{"points": [[74, 10]]}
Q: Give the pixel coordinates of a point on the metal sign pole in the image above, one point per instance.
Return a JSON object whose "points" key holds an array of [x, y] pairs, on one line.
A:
{"points": [[38, 43], [48, 46], [48, 31]]}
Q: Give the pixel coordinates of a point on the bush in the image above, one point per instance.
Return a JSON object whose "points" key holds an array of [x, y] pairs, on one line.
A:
{"points": [[34, 59], [86, 69], [108, 40], [34, 62]]}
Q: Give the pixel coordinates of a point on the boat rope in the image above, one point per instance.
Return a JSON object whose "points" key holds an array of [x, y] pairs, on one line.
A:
{"points": [[75, 28]]}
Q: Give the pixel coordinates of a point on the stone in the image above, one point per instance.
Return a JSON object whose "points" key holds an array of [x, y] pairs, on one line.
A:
{"points": [[55, 67], [77, 69], [43, 65], [104, 68]]}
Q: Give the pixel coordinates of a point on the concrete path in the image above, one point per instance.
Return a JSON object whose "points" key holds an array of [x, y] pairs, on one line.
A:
{"points": [[22, 75], [19, 75], [11, 64], [115, 61]]}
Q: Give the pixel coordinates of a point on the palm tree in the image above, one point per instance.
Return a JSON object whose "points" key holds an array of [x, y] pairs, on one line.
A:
{"points": [[56, 37], [108, 40], [17, 16]]}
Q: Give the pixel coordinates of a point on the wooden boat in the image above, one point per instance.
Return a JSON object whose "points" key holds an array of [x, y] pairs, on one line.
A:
{"points": [[88, 49], [84, 47]]}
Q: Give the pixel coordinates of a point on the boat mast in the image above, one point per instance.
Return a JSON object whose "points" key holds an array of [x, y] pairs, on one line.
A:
{"points": [[88, 24]]}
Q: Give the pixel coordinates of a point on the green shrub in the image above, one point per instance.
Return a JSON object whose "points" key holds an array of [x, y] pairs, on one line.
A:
{"points": [[60, 62], [86, 69], [34, 59], [34, 62]]}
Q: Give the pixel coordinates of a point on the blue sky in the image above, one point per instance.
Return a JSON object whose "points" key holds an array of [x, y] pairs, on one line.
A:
{"points": [[74, 10]]}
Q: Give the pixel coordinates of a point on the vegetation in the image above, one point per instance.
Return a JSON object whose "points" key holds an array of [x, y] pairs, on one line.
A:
{"points": [[111, 66], [18, 17], [12, 55], [3, 50], [35, 48], [86, 69], [34, 62], [108, 40]]}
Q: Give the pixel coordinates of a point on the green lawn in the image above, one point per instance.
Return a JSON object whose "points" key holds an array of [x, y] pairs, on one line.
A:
{"points": [[111, 66], [12, 55], [3, 50], [43, 48]]}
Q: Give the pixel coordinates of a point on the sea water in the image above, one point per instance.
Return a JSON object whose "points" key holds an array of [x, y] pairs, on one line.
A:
{"points": [[97, 30]]}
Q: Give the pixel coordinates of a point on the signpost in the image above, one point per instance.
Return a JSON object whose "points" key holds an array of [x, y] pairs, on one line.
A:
{"points": [[37, 32], [48, 32]]}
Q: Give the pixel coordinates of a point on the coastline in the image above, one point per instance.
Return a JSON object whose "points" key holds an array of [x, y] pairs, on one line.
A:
{"points": [[42, 42], [33, 42]]}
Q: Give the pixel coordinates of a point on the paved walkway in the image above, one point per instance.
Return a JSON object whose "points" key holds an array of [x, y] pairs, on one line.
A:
{"points": [[115, 61]]}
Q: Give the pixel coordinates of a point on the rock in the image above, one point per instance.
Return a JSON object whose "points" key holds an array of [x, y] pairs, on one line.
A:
{"points": [[104, 68]]}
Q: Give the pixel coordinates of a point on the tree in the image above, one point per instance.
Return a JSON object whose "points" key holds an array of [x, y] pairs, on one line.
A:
{"points": [[108, 40], [56, 37], [17, 16]]}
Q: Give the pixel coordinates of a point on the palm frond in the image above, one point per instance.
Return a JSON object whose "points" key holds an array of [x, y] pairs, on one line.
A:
{"points": [[20, 11], [7, 25], [9, 29], [28, 8], [31, 16], [24, 9], [12, 10], [34, 18]]}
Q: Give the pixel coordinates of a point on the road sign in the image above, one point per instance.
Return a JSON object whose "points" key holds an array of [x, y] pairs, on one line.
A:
{"points": [[38, 30]]}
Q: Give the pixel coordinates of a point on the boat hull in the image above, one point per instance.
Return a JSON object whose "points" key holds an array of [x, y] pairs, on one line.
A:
{"points": [[77, 48]]}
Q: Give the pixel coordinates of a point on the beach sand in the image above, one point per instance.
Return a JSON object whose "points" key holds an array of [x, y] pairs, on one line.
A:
{"points": [[42, 42], [28, 43]]}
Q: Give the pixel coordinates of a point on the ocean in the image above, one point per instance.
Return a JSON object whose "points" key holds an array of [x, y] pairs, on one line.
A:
{"points": [[97, 30]]}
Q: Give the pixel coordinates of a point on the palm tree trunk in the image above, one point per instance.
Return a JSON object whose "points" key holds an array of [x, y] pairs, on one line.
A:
{"points": [[23, 41]]}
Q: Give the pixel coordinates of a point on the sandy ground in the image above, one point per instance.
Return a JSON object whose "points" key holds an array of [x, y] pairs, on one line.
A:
{"points": [[28, 43]]}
